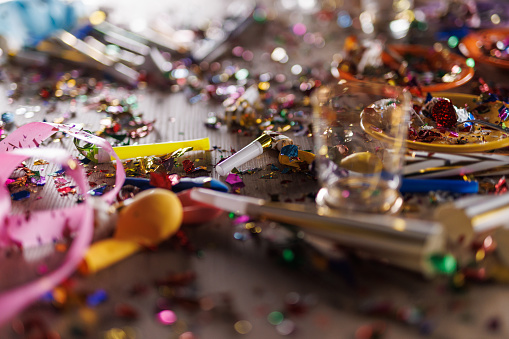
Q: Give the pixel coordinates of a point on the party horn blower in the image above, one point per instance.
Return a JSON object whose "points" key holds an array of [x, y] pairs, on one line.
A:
{"points": [[251, 151], [268, 139], [146, 220], [466, 218], [417, 245]]}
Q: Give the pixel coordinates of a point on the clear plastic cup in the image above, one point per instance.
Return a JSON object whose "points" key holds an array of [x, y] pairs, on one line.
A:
{"points": [[359, 131]]}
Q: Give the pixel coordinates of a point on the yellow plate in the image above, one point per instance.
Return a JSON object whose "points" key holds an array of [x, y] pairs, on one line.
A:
{"points": [[470, 46], [459, 100]]}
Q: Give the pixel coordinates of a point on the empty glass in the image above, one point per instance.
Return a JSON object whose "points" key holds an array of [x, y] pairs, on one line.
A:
{"points": [[359, 132]]}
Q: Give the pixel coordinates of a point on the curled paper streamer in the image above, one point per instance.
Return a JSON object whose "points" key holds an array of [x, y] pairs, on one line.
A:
{"points": [[33, 134], [80, 218], [20, 230]]}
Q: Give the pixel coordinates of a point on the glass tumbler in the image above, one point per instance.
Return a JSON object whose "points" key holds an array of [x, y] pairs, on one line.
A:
{"points": [[359, 131]]}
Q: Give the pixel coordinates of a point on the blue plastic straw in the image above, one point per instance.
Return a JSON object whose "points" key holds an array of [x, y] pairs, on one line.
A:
{"points": [[427, 185]]}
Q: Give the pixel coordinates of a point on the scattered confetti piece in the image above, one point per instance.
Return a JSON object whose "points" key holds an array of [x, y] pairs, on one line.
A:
{"points": [[235, 180], [164, 180], [21, 195], [291, 151], [167, 317], [64, 191], [270, 175], [96, 298]]}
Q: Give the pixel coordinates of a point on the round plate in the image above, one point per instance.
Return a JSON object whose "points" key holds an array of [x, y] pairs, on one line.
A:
{"points": [[417, 50], [457, 99], [469, 46]]}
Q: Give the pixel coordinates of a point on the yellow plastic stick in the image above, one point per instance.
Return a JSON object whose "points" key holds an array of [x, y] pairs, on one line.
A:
{"points": [[135, 151]]}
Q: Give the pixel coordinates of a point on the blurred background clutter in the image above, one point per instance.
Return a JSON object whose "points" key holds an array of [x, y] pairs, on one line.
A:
{"points": [[146, 72]]}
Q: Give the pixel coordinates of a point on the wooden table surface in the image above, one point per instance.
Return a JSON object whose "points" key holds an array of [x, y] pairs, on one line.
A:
{"points": [[236, 281]]}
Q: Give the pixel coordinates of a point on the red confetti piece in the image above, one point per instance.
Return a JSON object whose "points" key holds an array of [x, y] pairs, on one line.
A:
{"points": [[44, 93], [501, 186], [126, 311], [66, 190], [164, 180], [188, 166]]}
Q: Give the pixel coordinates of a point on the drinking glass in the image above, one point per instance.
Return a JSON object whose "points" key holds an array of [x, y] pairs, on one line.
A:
{"points": [[359, 131]]}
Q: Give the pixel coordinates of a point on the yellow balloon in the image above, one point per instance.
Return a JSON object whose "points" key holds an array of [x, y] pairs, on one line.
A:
{"points": [[152, 216], [149, 218]]}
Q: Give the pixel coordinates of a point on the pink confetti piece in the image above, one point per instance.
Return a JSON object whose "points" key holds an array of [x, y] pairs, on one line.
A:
{"points": [[59, 181], [234, 179]]}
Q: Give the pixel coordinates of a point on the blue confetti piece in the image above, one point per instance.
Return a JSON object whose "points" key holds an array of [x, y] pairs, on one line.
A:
{"points": [[21, 195], [239, 236], [470, 117], [47, 297], [274, 168], [85, 161], [195, 99], [39, 181], [286, 170], [492, 98], [57, 173], [97, 298], [428, 98], [82, 32], [98, 191], [503, 112], [445, 34], [291, 151], [8, 117]]}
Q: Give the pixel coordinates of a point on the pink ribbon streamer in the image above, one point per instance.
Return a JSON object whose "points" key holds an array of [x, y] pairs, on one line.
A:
{"points": [[46, 226], [33, 134]]}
